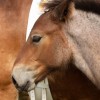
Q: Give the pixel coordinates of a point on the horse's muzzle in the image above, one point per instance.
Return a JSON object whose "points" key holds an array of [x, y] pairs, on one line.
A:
{"points": [[23, 79]]}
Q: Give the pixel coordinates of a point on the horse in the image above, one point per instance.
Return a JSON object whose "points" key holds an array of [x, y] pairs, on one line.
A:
{"points": [[13, 24], [66, 34]]}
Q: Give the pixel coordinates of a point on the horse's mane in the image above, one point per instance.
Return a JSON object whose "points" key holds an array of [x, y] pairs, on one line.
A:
{"points": [[86, 5]]}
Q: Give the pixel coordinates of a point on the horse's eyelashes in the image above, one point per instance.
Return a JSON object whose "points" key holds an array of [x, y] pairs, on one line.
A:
{"points": [[36, 39]]}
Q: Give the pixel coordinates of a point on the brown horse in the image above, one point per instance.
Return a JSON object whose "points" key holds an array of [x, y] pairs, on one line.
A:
{"points": [[13, 24], [66, 34]]}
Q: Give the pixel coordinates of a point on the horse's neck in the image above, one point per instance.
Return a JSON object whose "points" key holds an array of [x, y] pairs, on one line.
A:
{"points": [[71, 84], [84, 34], [13, 23], [14, 12], [13, 19]]}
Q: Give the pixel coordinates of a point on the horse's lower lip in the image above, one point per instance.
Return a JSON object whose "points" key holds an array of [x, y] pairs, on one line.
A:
{"points": [[24, 87]]}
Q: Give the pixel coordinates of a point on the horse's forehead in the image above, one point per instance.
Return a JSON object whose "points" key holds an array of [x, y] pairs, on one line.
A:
{"points": [[46, 24], [43, 20]]}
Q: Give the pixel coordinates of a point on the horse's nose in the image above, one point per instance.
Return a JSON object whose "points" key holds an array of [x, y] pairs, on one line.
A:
{"points": [[22, 87], [14, 81], [23, 78]]}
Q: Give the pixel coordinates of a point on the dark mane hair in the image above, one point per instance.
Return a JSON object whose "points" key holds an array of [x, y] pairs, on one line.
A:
{"points": [[85, 5]]}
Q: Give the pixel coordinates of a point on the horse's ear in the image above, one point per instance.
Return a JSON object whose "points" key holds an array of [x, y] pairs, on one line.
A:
{"points": [[64, 10]]}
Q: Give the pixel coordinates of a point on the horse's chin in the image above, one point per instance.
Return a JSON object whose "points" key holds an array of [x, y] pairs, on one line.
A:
{"points": [[31, 87]]}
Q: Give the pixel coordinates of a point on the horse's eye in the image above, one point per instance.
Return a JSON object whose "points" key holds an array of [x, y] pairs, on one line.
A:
{"points": [[36, 38]]}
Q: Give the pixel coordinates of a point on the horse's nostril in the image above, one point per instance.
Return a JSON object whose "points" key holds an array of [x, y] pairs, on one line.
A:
{"points": [[14, 81], [23, 87]]}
